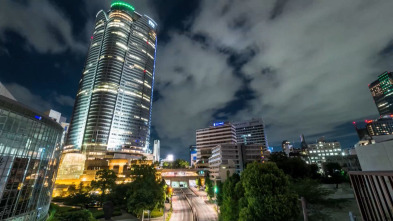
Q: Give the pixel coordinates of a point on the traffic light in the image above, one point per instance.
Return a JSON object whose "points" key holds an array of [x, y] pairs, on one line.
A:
{"points": [[215, 189]]}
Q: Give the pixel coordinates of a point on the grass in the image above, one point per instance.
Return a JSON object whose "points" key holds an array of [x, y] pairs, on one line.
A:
{"points": [[154, 213]]}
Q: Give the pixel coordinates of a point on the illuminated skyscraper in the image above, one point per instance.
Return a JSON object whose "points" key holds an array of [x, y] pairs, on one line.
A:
{"points": [[382, 92], [112, 111]]}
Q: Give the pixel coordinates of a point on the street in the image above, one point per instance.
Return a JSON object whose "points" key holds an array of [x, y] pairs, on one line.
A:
{"points": [[204, 212], [181, 208]]}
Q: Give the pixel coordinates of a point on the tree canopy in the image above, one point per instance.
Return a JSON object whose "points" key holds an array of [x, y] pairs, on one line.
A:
{"points": [[105, 180]]}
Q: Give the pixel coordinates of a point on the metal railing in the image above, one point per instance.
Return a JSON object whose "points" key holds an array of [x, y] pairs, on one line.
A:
{"points": [[374, 193]]}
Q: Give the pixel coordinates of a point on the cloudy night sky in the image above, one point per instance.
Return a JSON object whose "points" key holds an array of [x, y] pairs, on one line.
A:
{"points": [[301, 65]]}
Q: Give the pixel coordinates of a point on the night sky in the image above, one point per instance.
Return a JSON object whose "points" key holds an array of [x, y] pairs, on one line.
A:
{"points": [[301, 65]]}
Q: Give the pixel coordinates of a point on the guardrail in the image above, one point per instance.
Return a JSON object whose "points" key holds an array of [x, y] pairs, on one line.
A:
{"points": [[194, 213]]}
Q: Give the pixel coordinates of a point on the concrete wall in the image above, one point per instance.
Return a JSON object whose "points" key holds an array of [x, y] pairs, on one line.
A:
{"points": [[376, 157]]}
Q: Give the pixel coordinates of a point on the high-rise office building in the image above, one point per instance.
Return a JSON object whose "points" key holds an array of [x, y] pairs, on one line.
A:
{"points": [[207, 138], [156, 150], [112, 111], [251, 132], [29, 158], [382, 92]]}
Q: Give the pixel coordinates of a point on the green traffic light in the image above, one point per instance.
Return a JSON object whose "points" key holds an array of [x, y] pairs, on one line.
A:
{"points": [[215, 189]]}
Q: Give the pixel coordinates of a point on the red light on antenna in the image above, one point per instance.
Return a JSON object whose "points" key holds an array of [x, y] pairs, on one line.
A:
{"points": [[91, 37], [354, 122]]}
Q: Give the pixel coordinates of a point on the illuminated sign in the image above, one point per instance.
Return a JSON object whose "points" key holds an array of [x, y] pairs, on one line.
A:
{"points": [[152, 24], [38, 117], [218, 123]]}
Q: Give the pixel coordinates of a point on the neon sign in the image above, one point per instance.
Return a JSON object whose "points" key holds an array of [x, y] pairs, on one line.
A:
{"points": [[218, 124]]}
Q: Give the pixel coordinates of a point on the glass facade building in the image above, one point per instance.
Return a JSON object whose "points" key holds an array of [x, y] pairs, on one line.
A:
{"points": [[29, 158], [382, 92], [112, 111]]}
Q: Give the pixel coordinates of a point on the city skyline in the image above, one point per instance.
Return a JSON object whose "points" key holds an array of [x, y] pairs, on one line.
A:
{"points": [[234, 69]]}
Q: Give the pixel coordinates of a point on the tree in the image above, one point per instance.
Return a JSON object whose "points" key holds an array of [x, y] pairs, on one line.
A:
{"points": [[219, 193], [146, 192], [71, 189], [105, 180], [294, 166], [209, 186], [179, 163], [267, 194], [118, 195], [316, 198], [334, 173], [198, 182], [232, 193], [78, 199]]}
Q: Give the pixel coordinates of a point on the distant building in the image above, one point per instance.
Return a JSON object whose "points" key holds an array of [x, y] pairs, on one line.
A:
{"points": [[287, 147], [193, 155], [382, 92], [251, 132], [4, 92], [318, 152], [29, 159], [156, 151], [55, 115], [227, 159], [207, 138], [347, 162]]}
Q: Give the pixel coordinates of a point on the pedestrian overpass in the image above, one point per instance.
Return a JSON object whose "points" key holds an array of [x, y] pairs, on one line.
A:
{"points": [[179, 178]]}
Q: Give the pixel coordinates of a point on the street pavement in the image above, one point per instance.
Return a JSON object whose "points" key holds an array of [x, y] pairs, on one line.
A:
{"points": [[204, 211], [181, 208]]}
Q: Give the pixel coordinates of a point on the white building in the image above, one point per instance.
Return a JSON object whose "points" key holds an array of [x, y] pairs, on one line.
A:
{"points": [[156, 151], [319, 151], [207, 138], [227, 159]]}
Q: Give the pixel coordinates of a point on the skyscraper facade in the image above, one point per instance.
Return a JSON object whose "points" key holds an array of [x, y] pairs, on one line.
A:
{"points": [[112, 111], [251, 132], [382, 92], [29, 158], [207, 138]]}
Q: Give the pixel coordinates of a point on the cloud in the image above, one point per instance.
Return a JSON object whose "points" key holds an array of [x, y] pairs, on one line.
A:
{"points": [[320, 56], [38, 102], [312, 63], [65, 100], [26, 97], [44, 27], [194, 82]]}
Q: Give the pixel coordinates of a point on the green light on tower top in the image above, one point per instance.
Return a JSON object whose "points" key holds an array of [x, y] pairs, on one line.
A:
{"points": [[121, 4]]}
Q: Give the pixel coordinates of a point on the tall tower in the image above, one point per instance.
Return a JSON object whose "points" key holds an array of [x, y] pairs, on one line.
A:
{"points": [[382, 92], [112, 111]]}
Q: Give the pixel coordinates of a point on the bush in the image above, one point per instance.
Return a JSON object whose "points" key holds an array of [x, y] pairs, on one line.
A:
{"points": [[79, 215], [58, 199], [98, 214]]}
